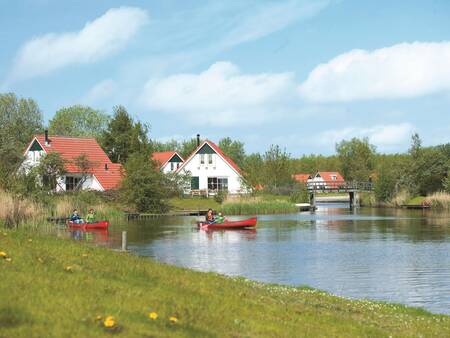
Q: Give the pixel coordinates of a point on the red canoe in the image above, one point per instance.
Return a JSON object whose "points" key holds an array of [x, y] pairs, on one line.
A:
{"points": [[96, 225], [245, 223]]}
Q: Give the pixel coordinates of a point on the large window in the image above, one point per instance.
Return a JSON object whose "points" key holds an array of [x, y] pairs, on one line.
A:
{"points": [[195, 182], [71, 182], [210, 158], [202, 158], [218, 183]]}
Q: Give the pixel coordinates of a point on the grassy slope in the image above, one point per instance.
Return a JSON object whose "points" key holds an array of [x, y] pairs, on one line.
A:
{"points": [[193, 203], [40, 298]]}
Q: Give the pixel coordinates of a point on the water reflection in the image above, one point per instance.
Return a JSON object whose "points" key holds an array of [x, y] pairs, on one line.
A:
{"points": [[387, 254]]}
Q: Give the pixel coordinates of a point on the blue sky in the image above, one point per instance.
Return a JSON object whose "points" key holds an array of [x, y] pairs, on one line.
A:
{"points": [[302, 74]]}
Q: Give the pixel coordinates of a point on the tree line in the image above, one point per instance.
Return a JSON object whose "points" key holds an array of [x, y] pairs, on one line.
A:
{"points": [[126, 140]]}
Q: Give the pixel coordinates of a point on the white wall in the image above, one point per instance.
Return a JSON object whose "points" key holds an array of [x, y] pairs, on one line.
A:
{"points": [[167, 167], [218, 168]]}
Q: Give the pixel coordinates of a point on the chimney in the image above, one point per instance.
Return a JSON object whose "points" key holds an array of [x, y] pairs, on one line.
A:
{"points": [[106, 166], [198, 140], [47, 141]]}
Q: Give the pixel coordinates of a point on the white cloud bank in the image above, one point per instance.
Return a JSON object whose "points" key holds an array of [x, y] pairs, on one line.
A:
{"points": [[220, 95], [401, 71], [385, 137], [99, 38]]}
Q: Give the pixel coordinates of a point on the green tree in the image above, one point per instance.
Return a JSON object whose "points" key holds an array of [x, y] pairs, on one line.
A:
{"points": [[144, 187], [357, 159], [78, 120], [50, 168], [85, 167], [233, 149], [124, 137], [187, 147], [252, 170], [276, 170]]}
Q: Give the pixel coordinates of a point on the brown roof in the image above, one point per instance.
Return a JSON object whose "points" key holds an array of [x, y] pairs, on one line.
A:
{"points": [[301, 177], [163, 157]]}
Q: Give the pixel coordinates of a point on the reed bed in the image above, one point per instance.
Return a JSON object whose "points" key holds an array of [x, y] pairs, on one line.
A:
{"points": [[255, 207], [17, 211], [439, 200]]}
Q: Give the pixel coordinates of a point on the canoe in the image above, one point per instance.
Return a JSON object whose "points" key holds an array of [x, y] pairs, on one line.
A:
{"points": [[96, 225], [242, 224]]}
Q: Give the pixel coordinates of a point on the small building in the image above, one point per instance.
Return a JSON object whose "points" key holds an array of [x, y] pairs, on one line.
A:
{"points": [[103, 175], [302, 178], [168, 161], [212, 171], [324, 180]]}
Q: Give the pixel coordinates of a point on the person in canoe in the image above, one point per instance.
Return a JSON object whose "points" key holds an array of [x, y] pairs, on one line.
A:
{"points": [[90, 217], [220, 218], [210, 217], [75, 217]]}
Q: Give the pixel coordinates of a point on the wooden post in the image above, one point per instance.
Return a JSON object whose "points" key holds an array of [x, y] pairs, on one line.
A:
{"points": [[352, 199], [312, 200], [124, 241]]}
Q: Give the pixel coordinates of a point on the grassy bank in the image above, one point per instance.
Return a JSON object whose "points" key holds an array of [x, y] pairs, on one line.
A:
{"points": [[56, 287]]}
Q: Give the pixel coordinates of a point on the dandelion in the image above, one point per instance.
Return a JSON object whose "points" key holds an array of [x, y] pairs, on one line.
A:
{"points": [[3, 254], [68, 268], [30, 240], [153, 315], [8, 259], [173, 319], [109, 321]]}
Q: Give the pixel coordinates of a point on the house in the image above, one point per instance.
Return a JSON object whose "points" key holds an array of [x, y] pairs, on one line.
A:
{"points": [[326, 180], [103, 175], [168, 161], [212, 171], [303, 178]]}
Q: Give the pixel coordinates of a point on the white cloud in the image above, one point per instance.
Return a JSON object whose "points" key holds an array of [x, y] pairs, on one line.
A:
{"points": [[385, 137], [99, 38], [221, 95], [401, 71], [100, 91]]}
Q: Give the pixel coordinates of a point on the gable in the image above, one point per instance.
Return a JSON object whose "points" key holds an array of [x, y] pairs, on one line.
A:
{"points": [[206, 149], [175, 158], [35, 146]]}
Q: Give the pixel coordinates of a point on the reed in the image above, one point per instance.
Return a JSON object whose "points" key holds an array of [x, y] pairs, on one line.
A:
{"points": [[254, 207], [439, 200], [16, 211]]}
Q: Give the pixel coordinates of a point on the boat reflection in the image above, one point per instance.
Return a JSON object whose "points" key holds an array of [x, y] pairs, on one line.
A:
{"points": [[98, 236], [247, 234]]}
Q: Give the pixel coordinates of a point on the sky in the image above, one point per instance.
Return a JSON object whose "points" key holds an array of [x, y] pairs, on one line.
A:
{"points": [[301, 74]]}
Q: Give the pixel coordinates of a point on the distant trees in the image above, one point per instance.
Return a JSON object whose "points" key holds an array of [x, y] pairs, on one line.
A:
{"points": [[78, 121], [357, 158], [124, 136], [233, 149]]}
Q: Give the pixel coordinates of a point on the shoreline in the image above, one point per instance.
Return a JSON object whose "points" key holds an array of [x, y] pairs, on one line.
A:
{"points": [[48, 274]]}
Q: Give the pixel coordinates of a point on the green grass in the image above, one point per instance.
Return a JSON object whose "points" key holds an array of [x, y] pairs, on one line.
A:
{"points": [[258, 207], [418, 200], [41, 297], [193, 203]]}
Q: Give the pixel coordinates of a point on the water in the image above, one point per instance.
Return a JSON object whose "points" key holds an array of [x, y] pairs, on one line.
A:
{"points": [[391, 255]]}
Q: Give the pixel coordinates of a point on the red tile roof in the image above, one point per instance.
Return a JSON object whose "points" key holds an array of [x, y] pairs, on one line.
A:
{"points": [[71, 147], [163, 157], [301, 177], [326, 175]]}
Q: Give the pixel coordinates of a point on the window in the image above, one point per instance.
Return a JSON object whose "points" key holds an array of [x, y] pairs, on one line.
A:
{"points": [[210, 159], [172, 166], [195, 182], [216, 183], [333, 177], [202, 158], [71, 182]]}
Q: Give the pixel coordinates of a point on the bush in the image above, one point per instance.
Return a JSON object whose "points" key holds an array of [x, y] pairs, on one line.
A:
{"points": [[300, 194], [220, 197]]}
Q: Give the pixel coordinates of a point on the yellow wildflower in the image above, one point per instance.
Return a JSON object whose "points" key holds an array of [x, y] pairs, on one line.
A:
{"points": [[3, 254], [173, 319], [109, 321], [8, 259], [30, 240], [68, 268], [153, 315], [98, 317]]}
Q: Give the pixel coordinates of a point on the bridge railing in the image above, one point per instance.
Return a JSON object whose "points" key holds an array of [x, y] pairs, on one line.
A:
{"points": [[338, 186]]}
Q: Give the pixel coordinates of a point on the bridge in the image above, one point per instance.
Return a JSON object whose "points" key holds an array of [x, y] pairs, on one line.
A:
{"points": [[352, 188]]}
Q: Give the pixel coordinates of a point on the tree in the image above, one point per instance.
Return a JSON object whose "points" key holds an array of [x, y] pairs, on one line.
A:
{"points": [[357, 158], [85, 167], [123, 137], [144, 187], [50, 168], [19, 119], [78, 120], [276, 170], [252, 170], [188, 147], [233, 149]]}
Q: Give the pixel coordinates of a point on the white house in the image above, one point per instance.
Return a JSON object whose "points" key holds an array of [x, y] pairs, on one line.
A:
{"points": [[104, 175], [326, 180], [168, 161], [212, 171]]}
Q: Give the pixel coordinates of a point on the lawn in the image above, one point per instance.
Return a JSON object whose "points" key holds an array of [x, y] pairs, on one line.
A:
{"points": [[54, 287]]}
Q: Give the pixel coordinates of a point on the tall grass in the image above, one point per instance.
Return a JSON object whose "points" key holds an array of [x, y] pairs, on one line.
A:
{"points": [[255, 207], [439, 200], [15, 211]]}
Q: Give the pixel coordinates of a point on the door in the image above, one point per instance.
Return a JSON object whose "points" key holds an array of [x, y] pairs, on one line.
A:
{"points": [[195, 183]]}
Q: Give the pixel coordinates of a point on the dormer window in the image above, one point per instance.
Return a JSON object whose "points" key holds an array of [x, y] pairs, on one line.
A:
{"points": [[210, 158], [333, 177], [202, 158]]}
